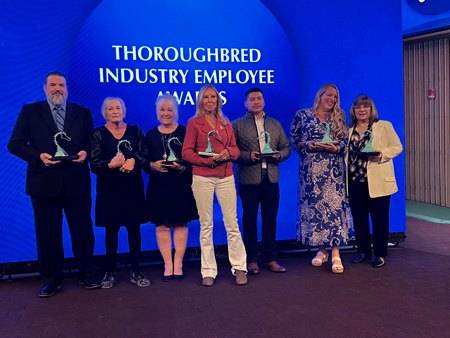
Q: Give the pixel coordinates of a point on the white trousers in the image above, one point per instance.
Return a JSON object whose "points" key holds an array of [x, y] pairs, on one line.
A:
{"points": [[204, 189]]}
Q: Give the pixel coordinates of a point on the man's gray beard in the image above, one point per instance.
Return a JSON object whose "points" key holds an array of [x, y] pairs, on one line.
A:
{"points": [[57, 99]]}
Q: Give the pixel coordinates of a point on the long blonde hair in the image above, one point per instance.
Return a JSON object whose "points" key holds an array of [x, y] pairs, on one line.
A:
{"points": [[199, 105], [338, 125]]}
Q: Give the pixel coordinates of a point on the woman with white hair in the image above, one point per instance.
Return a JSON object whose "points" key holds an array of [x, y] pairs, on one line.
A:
{"points": [[116, 159], [170, 203]]}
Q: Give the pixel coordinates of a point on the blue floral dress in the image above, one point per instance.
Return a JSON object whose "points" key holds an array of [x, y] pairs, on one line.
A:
{"points": [[324, 216]]}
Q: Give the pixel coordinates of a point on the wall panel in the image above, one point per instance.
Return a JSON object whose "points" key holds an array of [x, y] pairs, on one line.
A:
{"points": [[427, 121]]}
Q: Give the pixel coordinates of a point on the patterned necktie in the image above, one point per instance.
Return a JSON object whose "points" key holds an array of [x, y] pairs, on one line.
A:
{"points": [[59, 118]]}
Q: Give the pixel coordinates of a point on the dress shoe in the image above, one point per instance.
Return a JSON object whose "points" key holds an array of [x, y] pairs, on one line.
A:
{"points": [[241, 277], [253, 268], [360, 258], [90, 283], [167, 278], [378, 262], [178, 278], [49, 289], [208, 281], [275, 267]]}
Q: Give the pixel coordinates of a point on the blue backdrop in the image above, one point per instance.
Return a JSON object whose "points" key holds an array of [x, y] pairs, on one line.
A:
{"points": [[143, 48]]}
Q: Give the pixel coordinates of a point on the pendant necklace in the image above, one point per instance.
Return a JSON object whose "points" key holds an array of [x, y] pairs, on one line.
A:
{"points": [[164, 139]]}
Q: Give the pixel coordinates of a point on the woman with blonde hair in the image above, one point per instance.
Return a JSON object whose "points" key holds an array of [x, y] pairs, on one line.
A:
{"points": [[210, 130], [319, 136]]}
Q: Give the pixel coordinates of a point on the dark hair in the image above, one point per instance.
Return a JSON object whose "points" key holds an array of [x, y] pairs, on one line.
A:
{"points": [[253, 90], [364, 99], [54, 73]]}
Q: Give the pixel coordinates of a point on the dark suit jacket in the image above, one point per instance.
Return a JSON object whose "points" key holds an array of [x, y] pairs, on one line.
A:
{"points": [[33, 135]]}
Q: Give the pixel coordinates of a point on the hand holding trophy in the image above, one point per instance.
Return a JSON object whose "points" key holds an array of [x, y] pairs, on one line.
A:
{"points": [[209, 151], [172, 157], [61, 154], [267, 150], [368, 149], [327, 143]]}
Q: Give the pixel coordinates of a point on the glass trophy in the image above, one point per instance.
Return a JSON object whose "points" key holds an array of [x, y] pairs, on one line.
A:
{"points": [[267, 151], [127, 145], [61, 154], [172, 157], [209, 151], [327, 138], [368, 149]]}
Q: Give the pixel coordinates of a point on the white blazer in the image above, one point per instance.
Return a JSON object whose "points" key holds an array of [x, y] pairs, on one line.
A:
{"points": [[380, 175]]}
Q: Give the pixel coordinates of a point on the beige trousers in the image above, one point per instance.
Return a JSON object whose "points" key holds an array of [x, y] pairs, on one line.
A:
{"points": [[224, 188]]}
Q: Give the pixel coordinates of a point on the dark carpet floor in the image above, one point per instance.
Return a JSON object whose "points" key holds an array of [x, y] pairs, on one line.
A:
{"points": [[409, 297]]}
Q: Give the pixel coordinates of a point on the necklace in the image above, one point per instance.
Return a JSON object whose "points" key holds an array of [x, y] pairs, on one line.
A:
{"points": [[165, 138]]}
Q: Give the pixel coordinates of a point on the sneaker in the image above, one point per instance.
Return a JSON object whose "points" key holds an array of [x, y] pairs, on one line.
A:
{"points": [[138, 278], [109, 279], [241, 277]]}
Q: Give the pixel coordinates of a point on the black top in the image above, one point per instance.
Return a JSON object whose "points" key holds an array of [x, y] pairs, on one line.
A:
{"points": [[120, 196]]}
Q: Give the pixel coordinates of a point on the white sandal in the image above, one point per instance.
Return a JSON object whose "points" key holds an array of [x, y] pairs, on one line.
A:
{"points": [[319, 259], [337, 266]]}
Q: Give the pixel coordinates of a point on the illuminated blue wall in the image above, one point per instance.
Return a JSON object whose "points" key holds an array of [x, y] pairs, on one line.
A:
{"points": [[296, 46]]}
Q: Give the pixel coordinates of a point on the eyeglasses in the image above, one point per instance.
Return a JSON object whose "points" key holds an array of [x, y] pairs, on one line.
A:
{"points": [[363, 106]]}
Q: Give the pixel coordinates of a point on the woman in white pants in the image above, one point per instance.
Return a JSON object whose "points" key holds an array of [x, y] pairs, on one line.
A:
{"points": [[209, 131]]}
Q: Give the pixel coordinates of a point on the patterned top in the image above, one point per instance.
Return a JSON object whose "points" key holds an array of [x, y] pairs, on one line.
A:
{"points": [[357, 161], [324, 216]]}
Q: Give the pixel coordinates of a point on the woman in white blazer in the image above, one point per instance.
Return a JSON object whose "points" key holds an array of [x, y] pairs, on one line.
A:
{"points": [[373, 143]]}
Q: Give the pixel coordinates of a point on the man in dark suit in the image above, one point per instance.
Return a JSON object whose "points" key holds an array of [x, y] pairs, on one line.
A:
{"points": [[57, 185]]}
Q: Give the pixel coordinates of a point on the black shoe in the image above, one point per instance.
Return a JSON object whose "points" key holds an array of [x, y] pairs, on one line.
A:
{"points": [[360, 258], [167, 278], [178, 278], [90, 283], [378, 262], [50, 289]]}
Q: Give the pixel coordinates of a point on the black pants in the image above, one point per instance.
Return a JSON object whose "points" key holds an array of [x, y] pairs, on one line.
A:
{"points": [[48, 216], [267, 195], [112, 243], [362, 205]]}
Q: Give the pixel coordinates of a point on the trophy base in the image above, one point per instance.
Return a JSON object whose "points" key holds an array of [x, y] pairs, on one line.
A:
{"points": [[170, 163], [202, 153], [65, 158], [265, 155], [367, 153], [329, 142]]}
